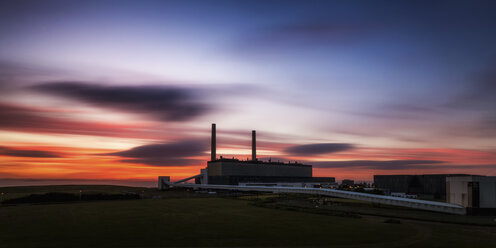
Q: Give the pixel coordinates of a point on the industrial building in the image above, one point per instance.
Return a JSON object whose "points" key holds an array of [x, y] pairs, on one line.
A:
{"points": [[430, 184], [256, 172], [347, 183], [476, 193], [278, 177]]}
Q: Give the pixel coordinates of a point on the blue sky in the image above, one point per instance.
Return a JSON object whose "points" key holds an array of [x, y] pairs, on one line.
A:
{"points": [[375, 74]]}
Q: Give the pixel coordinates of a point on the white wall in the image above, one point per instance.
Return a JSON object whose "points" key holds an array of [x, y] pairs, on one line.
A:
{"points": [[457, 190]]}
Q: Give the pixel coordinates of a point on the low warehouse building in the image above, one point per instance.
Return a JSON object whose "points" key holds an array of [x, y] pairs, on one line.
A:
{"points": [[428, 184]]}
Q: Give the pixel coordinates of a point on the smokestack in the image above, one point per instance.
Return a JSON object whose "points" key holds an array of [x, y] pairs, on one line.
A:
{"points": [[213, 145], [253, 145]]}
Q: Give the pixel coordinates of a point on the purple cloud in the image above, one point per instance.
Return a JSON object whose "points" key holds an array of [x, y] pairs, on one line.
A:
{"points": [[164, 103], [7, 151], [317, 149], [170, 154]]}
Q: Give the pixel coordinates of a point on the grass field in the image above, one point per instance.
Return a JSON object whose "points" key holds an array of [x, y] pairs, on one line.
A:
{"points": [[16, 192], [338, 206], [215, 221]]}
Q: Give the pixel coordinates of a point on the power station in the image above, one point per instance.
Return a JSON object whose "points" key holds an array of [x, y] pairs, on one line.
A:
{"points": [[278, 177], [256, 172]]}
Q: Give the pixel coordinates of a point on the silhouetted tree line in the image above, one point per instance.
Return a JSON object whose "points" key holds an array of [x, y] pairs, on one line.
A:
{"points": [[68, 197]]}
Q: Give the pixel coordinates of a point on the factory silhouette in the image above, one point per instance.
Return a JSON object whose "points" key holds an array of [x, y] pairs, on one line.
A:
{"points": [[256, 172], [463, 193]]}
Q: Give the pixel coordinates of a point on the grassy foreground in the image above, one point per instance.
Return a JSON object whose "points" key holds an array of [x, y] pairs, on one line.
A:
{"points": [[213, 222], [349, 207], [16, 192]]}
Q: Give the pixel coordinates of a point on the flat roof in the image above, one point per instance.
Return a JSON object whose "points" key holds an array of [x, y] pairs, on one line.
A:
{"points": [[448, 175], [234, 160]]}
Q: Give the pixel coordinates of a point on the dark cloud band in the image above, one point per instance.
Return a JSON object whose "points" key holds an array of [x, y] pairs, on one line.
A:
{"points": [[7, 151], [28, 119], [171, 154], [164, 103], [377, 165], [317, 149]]}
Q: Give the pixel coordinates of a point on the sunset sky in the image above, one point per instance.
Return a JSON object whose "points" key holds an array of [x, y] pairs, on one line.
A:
{"points": [[124, 91]]}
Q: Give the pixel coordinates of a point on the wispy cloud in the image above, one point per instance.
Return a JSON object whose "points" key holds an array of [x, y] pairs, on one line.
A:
{"points": [[377, 165], [308, 31], [14, 152], [171, 154], [480, 98], [480, 94], [29, 119], [317, 149], [164, 103]]}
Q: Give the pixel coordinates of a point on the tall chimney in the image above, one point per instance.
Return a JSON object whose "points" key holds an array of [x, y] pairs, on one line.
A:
{"points": [[213, 155], [253, 145]]}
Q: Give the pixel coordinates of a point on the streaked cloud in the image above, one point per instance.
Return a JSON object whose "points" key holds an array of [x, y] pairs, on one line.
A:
{"points": [[15, 152], [480, 94], [312, 79], [179, 153], [164, 103], [31, 119], [377, 165], [317, 149], [309, 32]]}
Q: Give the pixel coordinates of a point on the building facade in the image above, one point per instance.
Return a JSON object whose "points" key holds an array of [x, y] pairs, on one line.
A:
{"points": [[222, 171], [474, 192], [429, 184], [234, 172]]}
